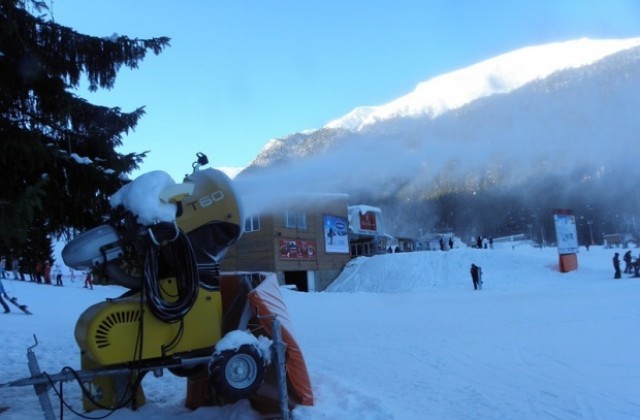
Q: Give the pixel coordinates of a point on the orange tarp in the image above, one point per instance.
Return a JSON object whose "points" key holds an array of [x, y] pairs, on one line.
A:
{"points": [[268, 300]]}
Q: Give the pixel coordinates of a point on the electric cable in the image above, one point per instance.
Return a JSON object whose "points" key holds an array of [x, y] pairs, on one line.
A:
{"points": [[181, 256]]}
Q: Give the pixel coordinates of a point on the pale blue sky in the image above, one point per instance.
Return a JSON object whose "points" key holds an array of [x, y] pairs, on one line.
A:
{"points": [[240, 72]]}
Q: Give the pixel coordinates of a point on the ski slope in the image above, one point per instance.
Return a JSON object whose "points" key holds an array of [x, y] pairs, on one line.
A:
{"points": [[405, 336]]}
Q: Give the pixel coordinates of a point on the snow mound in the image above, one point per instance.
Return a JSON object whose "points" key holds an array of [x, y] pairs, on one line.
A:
{"points": [[427, 270]]}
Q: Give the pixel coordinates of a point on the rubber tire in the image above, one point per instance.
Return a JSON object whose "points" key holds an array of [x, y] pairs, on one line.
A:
{"points": [[249, 372]]}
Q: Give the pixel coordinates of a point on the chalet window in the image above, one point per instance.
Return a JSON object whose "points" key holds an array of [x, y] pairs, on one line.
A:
{"points": [[295, 220], [252, 223]]}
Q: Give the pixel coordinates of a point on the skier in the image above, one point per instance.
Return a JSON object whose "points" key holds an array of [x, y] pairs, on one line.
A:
{"points": [[616, 266], [2, 302], [475, 276]]}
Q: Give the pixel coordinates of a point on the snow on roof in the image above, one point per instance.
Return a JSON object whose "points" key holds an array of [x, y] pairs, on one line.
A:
{"points": [[362, 208]]}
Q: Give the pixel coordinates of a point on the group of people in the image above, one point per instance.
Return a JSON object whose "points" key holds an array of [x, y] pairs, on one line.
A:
{"points": [[15, 268], [42, 271], [442, 244], [630, 265], [483, 242]]}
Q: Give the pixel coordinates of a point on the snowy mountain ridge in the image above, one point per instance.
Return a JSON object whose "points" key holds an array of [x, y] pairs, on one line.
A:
{"points": [[565, 138], [501, 74]]}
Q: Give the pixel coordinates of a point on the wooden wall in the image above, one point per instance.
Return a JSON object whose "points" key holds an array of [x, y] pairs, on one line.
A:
{"points": [[260, 250]]}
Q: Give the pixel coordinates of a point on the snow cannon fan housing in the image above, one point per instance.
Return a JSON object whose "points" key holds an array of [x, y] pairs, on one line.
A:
{"points": [[211, 216], [92, 248]]}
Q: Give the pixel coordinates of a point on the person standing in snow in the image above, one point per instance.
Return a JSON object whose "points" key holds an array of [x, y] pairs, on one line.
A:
{"points": [[616, 266], [2, 302], [47, 272], [3, 267], [38, 272], [475, 276], [87, 281], [450, 243], [58, 273], [627, 262], [15, 267]]}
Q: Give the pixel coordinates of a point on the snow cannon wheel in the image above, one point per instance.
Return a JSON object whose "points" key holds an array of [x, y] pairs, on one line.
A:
{"points": [[236, 374]]}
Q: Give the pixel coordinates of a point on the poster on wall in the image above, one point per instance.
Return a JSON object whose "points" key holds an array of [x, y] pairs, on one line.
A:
{"points": [[368, 221], [566, 232], [336, 237], [296, 249]]}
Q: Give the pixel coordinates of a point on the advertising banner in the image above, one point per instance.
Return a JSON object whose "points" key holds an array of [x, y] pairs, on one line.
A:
{"points": [[336, 237], [566, 232], [296, 249], [368, 221]]}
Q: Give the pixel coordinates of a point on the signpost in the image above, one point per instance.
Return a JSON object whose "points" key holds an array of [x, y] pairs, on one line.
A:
{"points": [[567, 239]]}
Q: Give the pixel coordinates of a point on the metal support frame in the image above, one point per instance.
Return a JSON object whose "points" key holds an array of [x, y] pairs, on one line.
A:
{"points": [[42, 382], [281, 374], [89, 374], [42, 389]]}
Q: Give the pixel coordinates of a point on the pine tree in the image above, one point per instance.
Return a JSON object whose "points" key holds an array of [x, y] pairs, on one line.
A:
{"points": [[58, 163]]}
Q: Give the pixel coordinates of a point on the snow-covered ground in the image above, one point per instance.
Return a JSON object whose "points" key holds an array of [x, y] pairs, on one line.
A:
{"points": [[404, 336]]}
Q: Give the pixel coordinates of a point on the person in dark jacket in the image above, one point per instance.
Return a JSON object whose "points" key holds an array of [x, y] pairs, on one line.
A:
{"points": [[87, 281], [616, 266], [47, 272], [475, 276], [38, 272], [627, 262], [2, 302]]}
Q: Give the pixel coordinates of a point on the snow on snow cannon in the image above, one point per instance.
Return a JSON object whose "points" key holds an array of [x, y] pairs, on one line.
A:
{"points": [[164, 242]]}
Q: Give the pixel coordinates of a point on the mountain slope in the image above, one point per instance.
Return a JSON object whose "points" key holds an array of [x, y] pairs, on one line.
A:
{"points": [[588, 105], [501, 74], [565, 140]]}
